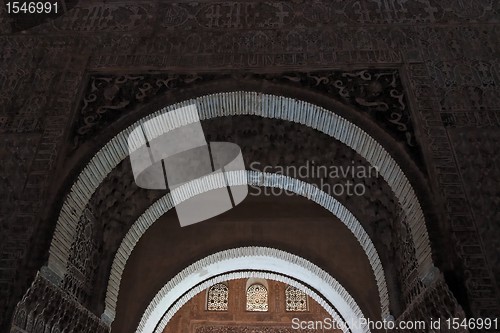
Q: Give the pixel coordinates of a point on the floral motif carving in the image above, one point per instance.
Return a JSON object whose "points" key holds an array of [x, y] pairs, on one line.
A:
{"points": [[379, 94], [108, 98], [257, 298]]}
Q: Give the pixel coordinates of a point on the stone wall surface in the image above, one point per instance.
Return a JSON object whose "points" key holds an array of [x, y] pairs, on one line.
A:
{"points": [[446, 54]]}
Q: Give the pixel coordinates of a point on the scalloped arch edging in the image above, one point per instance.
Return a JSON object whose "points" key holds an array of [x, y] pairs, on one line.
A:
{"points": [[189, 282], [242, 103], [214, 181]]}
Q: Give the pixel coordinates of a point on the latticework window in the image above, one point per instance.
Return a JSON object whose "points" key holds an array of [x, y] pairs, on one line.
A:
{"points": [[296, 300], [257, 298], [217, 297]]}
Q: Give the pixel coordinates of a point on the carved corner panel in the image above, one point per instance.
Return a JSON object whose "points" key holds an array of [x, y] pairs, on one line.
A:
{"points": [[46, 308], [377, 94]]}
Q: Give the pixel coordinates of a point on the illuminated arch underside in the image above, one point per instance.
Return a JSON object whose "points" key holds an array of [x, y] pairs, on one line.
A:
{"points": [[227, 265]]}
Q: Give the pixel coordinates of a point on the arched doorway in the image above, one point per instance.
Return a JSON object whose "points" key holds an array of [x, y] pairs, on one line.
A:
{"points": [[266, 263], [274, 111]]}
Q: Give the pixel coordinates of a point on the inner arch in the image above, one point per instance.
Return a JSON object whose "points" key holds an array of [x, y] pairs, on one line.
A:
{"points": [[194, 279], [205, 184]]}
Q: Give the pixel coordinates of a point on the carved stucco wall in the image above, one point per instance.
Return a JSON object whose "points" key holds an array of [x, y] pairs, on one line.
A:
{"points": [[445, 51]]}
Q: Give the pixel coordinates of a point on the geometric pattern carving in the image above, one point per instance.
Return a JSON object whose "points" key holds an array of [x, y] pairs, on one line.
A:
{"points": [[378, 94], [295, 299], [217, 298], [257, 298]]}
